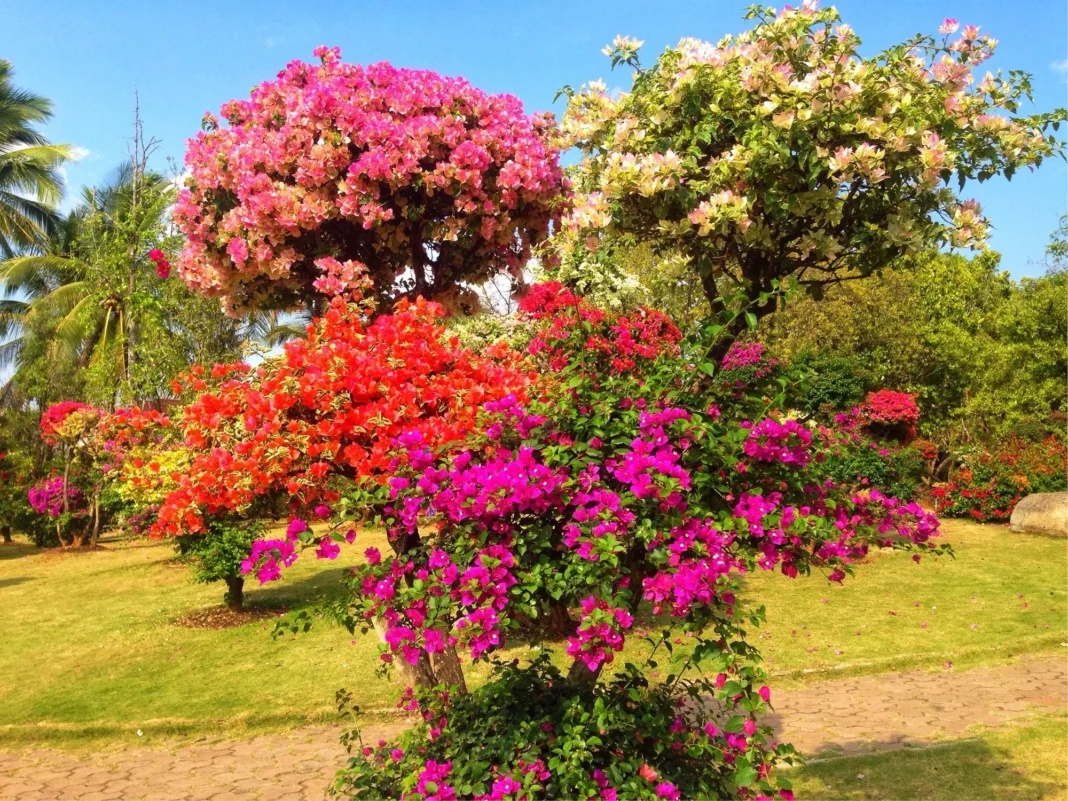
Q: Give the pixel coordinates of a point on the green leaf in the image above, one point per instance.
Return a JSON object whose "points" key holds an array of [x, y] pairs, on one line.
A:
{"points": [[745, 775]]}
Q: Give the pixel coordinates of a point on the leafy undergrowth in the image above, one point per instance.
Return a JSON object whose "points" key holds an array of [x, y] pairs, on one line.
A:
{"points": [[1019, 762], [91, 652]]}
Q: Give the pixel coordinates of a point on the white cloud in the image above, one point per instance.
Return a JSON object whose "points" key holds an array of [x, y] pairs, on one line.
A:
{"points": [[269, 41], [77, 153], [1060, 67]]}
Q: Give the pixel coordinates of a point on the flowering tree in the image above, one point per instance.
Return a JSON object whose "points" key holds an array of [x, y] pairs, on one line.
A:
{"points": [[783, 153], [71, 426], [424, 182], [621, 480], [298, 428]]}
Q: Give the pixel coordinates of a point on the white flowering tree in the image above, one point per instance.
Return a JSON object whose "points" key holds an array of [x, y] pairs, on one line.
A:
{"points": [[783, 153]]}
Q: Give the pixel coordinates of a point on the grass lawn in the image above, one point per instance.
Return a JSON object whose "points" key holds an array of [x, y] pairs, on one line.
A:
{"points": [[90, 651], [1024, 763]]}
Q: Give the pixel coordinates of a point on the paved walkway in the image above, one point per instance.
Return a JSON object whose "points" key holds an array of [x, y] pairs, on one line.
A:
{"points": [[840, 716]]}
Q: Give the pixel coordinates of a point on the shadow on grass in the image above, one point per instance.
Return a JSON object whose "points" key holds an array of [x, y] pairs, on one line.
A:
{"points": [[961, 770], [301, 593], [11, 582], [17, 550]]}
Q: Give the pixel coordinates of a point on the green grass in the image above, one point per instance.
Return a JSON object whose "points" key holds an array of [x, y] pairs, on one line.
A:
{"points": [[1020, 762], [89, 650]]}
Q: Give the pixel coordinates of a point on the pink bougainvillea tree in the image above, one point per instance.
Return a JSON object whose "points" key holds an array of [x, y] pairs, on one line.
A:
{"points": [[424, 182]]}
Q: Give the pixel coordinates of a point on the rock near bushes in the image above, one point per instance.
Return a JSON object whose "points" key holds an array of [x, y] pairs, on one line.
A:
{"points": [[1042, 513]]}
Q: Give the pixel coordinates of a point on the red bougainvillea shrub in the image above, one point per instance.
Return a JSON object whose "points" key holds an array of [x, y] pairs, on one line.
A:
{"points": [[888, 414], [329, 408], [990, 484], [336, 168], [68, 422], [648, 482]]}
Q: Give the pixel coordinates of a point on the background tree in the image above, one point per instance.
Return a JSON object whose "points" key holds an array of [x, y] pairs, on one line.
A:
{"points": [[782, 153], [30, 182], [983, 353], [424, 182], [97, 302]]}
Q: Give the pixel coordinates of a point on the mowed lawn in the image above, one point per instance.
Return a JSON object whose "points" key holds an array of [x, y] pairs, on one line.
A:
{"points": [[89, 649]]}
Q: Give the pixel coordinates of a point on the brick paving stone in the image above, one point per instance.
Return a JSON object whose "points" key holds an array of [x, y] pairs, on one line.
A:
{"points": [[842, 716]]}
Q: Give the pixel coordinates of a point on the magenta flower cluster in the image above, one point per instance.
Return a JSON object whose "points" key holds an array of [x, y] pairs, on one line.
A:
{"points": [[46, 497]]}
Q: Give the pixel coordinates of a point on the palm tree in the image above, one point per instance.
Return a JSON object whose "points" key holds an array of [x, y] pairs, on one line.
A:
{"points": [[269, 329], [89, 288], [30, 180], [85, 276]]}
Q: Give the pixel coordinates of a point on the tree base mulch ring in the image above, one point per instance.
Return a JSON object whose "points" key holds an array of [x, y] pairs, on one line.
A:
{"points": [[221, 617]]}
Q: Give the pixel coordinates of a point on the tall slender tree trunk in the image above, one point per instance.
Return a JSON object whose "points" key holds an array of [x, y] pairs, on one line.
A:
{"points": [[94, 536]]}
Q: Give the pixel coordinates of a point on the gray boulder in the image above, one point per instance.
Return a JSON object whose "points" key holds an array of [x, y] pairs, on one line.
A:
{"points": [[1042, 513]]}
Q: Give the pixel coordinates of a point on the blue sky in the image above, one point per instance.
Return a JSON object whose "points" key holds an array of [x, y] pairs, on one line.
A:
{"points": [[186, 58]]}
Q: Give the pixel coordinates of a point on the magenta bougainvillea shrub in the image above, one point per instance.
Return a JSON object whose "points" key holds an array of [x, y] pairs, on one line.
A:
{"points": [[334, 169], [645, 490], [47, 497]]}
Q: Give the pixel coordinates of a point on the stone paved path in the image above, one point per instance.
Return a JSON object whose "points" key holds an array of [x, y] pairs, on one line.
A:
{"points": [[840, 716]]}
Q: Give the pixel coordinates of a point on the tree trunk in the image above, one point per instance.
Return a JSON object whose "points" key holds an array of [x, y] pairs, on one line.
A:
{"points": [[59, 535], [448, 670], [581, 676], [417, 675], [560, 622], [94, 537], [5, 532], [78, 540], [235, 593]]}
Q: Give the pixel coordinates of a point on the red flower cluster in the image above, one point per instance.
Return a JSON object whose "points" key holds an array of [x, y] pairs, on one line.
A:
{"points": [[988, 489], [623, 340], [331, 406], [163, 267], [889, 414], [54, 416], [890, 408]]}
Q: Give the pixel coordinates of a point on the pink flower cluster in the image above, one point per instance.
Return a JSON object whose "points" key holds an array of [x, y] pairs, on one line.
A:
{"points": [[788, 443], [697, 560], [268, 557], [434, 775], [743, 354], [365, 164], [599, 632]]}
